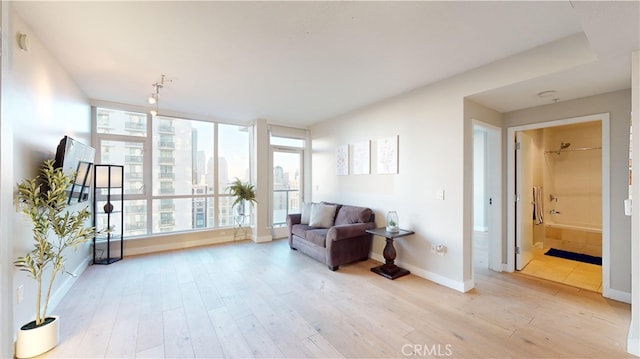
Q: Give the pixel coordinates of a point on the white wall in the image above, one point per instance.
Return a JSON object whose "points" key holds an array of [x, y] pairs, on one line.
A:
{"points": [[633, 341], [429, 161], [40, 104], [261, 178], [6, 199]]}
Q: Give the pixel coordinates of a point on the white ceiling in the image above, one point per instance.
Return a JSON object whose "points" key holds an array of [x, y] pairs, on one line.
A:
{"points": [[297, 63]]}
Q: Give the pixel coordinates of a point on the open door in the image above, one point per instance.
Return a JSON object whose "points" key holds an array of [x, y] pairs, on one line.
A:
{"points": [[524, 200]]}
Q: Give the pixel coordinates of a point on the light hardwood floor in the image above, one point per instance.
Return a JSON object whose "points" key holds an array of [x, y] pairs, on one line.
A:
{"points": [[263, 300]]}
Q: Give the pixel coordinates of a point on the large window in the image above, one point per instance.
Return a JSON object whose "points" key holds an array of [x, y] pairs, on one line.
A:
{"points": [[233, 162], [176, 170]]}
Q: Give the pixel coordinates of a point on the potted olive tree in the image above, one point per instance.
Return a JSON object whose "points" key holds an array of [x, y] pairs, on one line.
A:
{"points": [[243, 193], [55, 229]]}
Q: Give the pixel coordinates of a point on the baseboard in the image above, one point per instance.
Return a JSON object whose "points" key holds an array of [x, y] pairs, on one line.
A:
{"points": [[468, 285], [67, 282], [616, 295], [633, 341], [153, 248], [434, 277], [262, 239]]}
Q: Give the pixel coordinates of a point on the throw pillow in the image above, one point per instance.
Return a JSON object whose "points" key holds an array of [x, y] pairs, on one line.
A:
{"points": [[322, 215], [306, 213]]}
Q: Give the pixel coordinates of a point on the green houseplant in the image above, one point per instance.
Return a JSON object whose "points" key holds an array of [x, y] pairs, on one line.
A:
{"points": [[55, 229], [242, 192]]}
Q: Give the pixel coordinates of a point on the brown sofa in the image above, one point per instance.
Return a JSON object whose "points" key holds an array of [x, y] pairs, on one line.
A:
{"points": [[336, 241]]}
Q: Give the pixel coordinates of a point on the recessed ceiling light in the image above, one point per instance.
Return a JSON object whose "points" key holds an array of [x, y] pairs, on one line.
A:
{"points": [[547, 94]]}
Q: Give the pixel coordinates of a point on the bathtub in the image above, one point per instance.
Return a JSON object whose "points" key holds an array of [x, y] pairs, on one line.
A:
{"points": [[573, 238]]}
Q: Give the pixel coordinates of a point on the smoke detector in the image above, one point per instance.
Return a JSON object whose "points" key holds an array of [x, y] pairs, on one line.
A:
{"points": [[549, 94]]}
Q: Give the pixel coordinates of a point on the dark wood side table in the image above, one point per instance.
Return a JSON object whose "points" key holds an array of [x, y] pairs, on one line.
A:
{"points": [[389, 269]]}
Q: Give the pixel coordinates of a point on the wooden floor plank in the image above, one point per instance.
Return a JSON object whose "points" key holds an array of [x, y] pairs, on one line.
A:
{"points": [[150, 331], [229, 335], [203, 336], [152, 353], [280, 327], [177, 336], [122, 343]]}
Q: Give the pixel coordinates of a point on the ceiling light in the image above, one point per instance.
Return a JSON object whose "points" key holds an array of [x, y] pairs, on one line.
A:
{"points": [[152, 99], [155, 96]]}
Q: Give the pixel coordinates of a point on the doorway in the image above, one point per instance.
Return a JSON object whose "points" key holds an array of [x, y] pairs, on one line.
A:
{"points": [[487, 198], [558, 174]]}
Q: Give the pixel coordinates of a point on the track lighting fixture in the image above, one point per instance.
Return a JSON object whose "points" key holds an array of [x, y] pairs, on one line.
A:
{"points": [[155, 96], [152, 99]]}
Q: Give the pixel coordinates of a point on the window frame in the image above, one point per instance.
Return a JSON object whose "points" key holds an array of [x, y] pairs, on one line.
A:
{"points": [[147, 194]]}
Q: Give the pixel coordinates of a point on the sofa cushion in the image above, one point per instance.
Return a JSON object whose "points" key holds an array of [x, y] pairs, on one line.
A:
{"points": [[317, 236], [352, 214], [305, 213], [322, 215], [300, 230], [338, 206]]}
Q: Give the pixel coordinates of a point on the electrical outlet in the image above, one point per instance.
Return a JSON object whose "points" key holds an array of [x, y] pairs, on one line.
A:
{"points": [[440, 194], [433, 249], [20, 294], [441, 249]]}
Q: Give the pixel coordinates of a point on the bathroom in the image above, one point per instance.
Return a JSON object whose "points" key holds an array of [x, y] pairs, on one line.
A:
{"points": [[567, 176]]}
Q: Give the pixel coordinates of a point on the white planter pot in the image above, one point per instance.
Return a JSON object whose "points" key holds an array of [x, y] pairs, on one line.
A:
{"points": [[33, 342]]}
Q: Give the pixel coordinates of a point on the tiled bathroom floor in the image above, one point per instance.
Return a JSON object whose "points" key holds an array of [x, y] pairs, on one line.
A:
{"points": [[576, 274], [573, 273]]}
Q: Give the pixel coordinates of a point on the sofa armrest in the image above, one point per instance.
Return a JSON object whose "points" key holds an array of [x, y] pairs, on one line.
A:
{"points": [[293, 218], [345, 231]]}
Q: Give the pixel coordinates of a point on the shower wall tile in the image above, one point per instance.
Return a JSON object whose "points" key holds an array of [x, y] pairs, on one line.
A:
{"points": [[575, 177]]}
